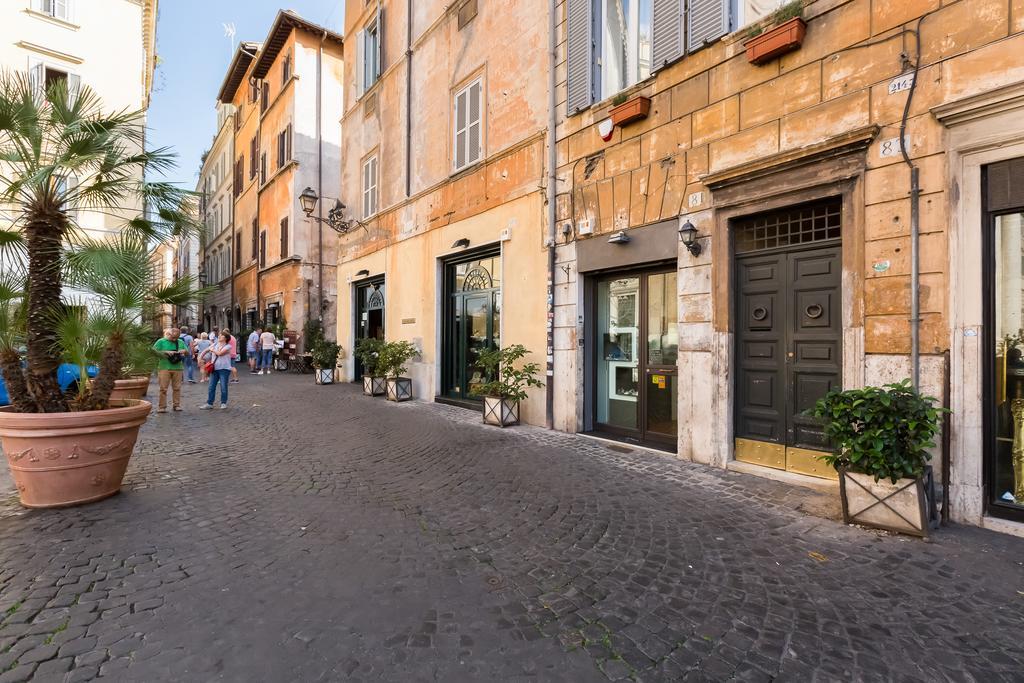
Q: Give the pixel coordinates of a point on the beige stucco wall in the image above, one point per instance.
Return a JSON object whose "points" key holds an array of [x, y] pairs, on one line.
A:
{"points": [[412, 268]]}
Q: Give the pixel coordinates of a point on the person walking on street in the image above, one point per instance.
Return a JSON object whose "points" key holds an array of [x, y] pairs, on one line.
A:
{"points": [[252, 349], [202, 344], [190, 359], [220, 355], [234, 355], [172, 353], [267, 343]]}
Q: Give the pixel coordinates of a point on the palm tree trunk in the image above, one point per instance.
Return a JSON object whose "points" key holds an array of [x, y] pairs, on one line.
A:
{"points": [[109, 372], [14, 379], [43, 242]]}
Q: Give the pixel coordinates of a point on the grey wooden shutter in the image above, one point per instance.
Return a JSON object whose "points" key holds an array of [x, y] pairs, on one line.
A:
{"points": [[74, 85], [706, 21], [580, 54], [667, 32], [360, 63], [380, 43]]}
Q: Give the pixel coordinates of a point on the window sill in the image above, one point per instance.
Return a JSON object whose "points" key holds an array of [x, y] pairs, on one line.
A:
{"points": [[63, 23], [273, 176]]}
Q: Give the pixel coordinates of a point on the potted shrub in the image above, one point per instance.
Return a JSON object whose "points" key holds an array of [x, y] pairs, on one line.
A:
{"points": [[68, 449], [325, 357], [881, 437], [391, 363], [368, 352], [507, 386], [785, 33], [625, 109]]}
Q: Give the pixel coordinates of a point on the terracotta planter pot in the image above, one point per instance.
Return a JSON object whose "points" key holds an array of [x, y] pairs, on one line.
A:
{"points": [[60, 459], [130, 388], [631, 110], [776, 41], [501, 412], [374, 386]]}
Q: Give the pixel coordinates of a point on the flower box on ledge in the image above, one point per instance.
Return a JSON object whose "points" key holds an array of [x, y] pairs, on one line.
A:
{"points": [[631, 110], [776, 41]]}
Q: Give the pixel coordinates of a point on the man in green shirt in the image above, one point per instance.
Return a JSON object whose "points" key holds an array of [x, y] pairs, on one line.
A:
{"points": [[172, 363]]}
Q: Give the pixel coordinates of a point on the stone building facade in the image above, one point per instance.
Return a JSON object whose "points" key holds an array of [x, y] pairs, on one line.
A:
{"points": [[793, 175], [286, 95], [443, 168]]}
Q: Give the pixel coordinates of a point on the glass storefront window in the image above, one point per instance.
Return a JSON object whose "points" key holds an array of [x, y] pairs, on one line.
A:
{"points": [[1007, 474], [662, 320], [618, 364]]}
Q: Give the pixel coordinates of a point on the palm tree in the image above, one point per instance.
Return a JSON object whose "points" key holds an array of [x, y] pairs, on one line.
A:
{"points": [[59, 153]]}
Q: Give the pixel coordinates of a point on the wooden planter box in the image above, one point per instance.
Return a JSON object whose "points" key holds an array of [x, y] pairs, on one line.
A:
{"points": [[501, 412], [324, 375], [631, 110], [399, 389], [776, 41], [904, 507], [374, 386]]}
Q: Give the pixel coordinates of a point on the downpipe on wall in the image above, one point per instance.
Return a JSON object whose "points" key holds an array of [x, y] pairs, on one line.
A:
{"points": [[549, 407]]}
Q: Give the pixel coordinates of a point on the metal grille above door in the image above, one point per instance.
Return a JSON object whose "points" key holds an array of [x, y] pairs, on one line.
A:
{"points": [[789, 227]]}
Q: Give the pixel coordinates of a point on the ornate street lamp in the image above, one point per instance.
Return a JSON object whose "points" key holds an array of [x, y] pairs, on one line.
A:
{"points": [[335, 220]]}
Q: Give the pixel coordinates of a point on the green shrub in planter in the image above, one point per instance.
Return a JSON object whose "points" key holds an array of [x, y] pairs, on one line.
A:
{"points": [[884, 432], [368, 352], [507, 383]]}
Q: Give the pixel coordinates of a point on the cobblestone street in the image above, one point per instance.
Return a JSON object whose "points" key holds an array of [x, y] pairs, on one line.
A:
{"points": [[310, 533]]}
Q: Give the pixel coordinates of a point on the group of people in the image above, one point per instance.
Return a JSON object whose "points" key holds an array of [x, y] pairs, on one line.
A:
{"points": [[214, 355]]}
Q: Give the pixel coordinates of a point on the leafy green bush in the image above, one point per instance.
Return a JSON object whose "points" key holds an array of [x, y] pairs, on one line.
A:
{"points": [[506, 380], [368, 352], [884, 432], [324, 353], [393, 356]]}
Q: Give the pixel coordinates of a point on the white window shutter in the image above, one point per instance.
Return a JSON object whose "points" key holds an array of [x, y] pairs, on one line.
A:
{"points": [[460, 129], [39, 5], [707, 20], [360, 62], [37, 75], [74, 85], [580, 54], [60, 9], [667, 32], [475, 141]]}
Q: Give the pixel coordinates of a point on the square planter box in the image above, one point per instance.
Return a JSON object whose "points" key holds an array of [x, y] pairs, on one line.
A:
{"points": [[776, 41], [631, 110], [904, 507], [324, 375], [374, 386], [399, 388], [501, 412]]}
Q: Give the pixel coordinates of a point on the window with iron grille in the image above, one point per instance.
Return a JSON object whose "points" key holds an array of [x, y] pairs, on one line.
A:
{"points": [[788, 227]]}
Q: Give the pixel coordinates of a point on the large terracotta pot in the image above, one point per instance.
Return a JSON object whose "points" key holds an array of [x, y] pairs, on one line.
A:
{"points": [[60, 459], [130, 387]]}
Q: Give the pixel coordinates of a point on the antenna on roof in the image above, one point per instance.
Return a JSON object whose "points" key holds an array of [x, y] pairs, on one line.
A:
{"points": [[229, 32]]}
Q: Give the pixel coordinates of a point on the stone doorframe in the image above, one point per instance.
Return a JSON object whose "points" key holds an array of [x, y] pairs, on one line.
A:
{"points": [[982, 129], [831, 168]]}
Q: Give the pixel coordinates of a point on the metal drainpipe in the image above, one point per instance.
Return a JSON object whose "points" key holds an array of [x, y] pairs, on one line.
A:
{"points": [[259, 179], [408, 99], [231, 250], [320, 181], [549, 412]]}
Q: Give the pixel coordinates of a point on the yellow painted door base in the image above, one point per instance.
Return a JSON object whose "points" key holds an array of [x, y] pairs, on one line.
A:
{"points": [[782, 457]]}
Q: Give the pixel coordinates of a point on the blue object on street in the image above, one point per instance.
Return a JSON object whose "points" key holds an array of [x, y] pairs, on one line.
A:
{"points": [[67, 374]]}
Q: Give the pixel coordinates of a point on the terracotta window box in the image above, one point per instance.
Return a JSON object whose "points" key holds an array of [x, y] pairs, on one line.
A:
{"points": [[631, 110], [776, 41]]}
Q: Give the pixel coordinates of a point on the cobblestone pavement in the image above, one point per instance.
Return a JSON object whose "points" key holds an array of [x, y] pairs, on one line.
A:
{"points": [[310, 533]]}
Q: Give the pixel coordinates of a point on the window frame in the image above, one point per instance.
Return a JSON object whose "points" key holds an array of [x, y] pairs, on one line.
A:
{"points": [[466, 90]]}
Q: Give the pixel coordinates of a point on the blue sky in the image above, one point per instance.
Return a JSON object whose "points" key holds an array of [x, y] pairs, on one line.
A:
{"points": [[194, 55]]}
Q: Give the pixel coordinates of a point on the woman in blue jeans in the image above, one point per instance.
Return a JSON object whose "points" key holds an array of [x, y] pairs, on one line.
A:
{"points": [[220, 354]]}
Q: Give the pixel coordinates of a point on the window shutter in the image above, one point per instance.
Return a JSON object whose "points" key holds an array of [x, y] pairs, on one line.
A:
{"points": [[667, 32], [475, 141], [40, 5], [284, 237], [580, 54], [380, 42], [288, 143], [60, 9], [74, 85], [706, 21], [461, 133], [37, 76], [360, 62]]}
